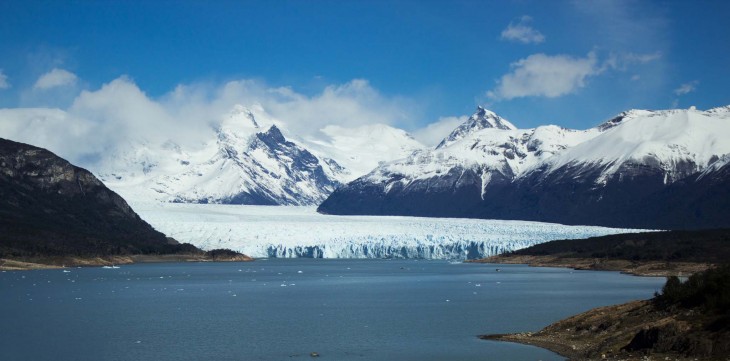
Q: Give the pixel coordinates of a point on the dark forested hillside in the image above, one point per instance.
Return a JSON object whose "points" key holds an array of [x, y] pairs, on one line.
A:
{"points": [[708, 246], [51, 207]]}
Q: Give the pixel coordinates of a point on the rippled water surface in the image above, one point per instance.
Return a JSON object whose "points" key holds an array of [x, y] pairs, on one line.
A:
{"points": [[287, 308]]}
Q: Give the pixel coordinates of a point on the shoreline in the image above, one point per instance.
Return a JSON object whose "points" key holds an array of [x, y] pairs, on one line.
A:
{"points": [[601, 333], [598, 334], [636, 268], [41, 263]]}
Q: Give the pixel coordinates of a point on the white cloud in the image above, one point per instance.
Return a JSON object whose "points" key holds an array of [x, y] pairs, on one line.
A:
{"points": [[433, 133], [55, 78], [55, 129], [4, 80], [622, 61], [352, 104], [522, 32], [546, 76], [105, 119], [687, 88]]}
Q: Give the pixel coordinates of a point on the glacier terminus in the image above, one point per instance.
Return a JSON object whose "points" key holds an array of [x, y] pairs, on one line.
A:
{"points": [[295, 231]]}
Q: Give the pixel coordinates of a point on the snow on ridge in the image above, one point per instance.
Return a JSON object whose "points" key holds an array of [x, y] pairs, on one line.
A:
{"points": [[715, 166], [723, 112], [361, 149], [482, 119], [670, 137], [676, 142], [508, 151], [283, 231]]}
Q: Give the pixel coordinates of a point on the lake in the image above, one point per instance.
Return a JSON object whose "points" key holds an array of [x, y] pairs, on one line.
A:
{"points": [[284, 309]]}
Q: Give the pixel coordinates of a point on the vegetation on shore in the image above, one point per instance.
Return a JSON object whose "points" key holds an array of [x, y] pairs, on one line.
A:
{"points": [[185, 254], [687, 321], [53, 213], [650, 253]]}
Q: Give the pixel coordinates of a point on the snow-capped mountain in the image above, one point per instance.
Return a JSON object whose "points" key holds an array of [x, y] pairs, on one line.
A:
{"points": [[677, 143], [245, 164], [485, 151], [596, 176], [249, 160], [360, 149], [482, 119]]}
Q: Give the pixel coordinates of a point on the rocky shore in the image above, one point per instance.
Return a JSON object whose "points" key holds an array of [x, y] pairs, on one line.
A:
{"points": [[687, 320], [638, 268], [36, 263], [598, 334]]}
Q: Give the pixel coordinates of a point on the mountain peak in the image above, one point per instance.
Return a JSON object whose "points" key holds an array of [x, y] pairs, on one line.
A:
{"points": [[240, 118], [622, 117], [272, 135], [481, 119]]}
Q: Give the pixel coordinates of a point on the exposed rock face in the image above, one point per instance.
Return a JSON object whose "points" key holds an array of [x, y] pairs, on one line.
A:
{"points": [[249, 159], [642, 169], [49, 206]]}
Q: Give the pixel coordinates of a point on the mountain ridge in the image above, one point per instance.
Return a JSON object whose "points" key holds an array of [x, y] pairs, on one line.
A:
{"points": [[626, 172], [50, 206], [250, 160]]}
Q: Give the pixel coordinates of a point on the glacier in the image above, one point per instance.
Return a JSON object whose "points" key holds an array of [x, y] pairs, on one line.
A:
{"points": [[299, 231]]}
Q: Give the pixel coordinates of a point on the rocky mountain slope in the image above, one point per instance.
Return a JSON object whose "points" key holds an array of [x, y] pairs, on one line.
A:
{"points": [[51, 207], [249, 160], [641, 169]]}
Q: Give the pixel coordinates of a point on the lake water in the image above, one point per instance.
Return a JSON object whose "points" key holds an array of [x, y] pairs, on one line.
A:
{"points": [[286, 309]]}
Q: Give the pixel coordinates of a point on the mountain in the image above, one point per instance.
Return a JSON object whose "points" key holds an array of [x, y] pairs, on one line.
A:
{"points": [[360, 149], [641, 169], [482, 119], [452, 179], [51, 207], [249, 160]]}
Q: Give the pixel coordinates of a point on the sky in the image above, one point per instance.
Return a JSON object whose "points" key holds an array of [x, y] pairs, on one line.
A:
{"points": [[119, 66]]}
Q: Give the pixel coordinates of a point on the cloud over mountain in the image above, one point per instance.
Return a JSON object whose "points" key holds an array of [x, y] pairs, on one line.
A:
{"points": [[97, 121]]}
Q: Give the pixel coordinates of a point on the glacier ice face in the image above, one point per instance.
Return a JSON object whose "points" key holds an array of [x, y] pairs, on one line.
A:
{"points": [[289, 232]]}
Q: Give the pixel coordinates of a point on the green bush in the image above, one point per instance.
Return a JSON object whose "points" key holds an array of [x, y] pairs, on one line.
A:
{"points": [[709, 290]]}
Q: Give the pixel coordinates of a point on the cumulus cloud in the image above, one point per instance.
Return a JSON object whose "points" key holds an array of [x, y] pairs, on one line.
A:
{"points": [[433, 133], [350, 104], [55, 78], [55, 129], [522, 32], [546, 76], [119, 113], [4, 80], [687, 88]]}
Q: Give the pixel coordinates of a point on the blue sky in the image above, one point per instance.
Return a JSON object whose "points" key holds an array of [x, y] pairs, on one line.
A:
{"points": [[410, 63]]}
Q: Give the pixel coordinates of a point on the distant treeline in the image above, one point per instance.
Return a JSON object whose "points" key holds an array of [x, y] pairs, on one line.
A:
{"points": [[706, 246]]}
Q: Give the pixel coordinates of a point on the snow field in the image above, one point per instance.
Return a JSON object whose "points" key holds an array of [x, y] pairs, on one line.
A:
{"points": [[289, 231]]}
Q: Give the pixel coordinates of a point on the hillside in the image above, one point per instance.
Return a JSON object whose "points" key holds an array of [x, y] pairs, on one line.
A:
{"points": [[663, 169], [51, 210], [687, 321], [650, 253]]}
